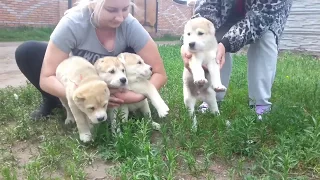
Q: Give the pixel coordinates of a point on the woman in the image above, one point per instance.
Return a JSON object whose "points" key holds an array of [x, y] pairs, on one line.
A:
{"points": [[260, 24], [91, 29]]}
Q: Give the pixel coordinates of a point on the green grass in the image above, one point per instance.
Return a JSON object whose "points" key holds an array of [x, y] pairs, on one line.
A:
{"points": [[286, 145], [24, 34]]}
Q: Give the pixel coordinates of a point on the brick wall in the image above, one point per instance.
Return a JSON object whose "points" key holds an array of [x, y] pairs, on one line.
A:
{"points": [[14, 13]]}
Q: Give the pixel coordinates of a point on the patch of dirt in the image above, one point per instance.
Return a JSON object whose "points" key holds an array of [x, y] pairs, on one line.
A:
{"points": [[99, 170], [24, 152], [220, 171], [10, 74], [217, 170]]}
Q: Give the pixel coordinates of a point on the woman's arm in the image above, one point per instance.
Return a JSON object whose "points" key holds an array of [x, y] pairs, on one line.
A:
{"points": [[48, 81], [261, 16], [151, 56]]}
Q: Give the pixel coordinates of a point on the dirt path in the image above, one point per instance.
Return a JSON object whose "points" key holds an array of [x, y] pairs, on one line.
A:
{"points": [[10, 74]]}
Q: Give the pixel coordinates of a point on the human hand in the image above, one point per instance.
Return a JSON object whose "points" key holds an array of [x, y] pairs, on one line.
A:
{"points": [[221, 55], [129, 97], [186, 56], [113, 100]]}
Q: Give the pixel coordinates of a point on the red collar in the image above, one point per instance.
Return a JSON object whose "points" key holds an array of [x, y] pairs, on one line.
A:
{"points": [[75, 84]]}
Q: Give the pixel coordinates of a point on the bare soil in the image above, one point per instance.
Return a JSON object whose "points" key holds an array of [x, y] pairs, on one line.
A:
{"points": [[10, 75]]}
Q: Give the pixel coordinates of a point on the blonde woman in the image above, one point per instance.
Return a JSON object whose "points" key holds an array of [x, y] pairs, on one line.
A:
{"points": [[91, 29]]}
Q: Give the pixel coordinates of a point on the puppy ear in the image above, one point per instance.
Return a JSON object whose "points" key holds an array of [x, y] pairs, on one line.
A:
{"points": [[78, 95], [121, 58], [211, 27]]}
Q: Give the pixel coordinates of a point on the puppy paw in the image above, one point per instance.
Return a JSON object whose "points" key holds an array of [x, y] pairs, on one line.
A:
{"points": [[163, 111], [216, 113], [200, 82], [69, 121], [85, 137], [220, 88]]}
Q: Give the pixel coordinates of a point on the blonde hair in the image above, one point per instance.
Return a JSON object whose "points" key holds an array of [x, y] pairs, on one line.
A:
{"points": [[94, 7]]}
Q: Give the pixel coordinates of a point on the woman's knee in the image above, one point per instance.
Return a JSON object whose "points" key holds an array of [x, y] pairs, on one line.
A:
{"points": [[22, 50], [27, 50]]}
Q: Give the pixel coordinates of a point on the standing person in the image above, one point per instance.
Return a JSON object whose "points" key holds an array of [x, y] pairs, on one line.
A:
{"points": [[92, 29], [259, 23]]}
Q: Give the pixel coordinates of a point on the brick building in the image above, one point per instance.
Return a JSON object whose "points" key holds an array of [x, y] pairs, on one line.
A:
{"points": [[39, 13]]}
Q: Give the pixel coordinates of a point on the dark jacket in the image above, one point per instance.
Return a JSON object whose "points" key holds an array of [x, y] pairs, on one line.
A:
{"points": [[260, 16]]}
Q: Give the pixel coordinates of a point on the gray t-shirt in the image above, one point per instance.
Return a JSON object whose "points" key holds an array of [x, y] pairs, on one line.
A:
{"points": [[75, 33]]}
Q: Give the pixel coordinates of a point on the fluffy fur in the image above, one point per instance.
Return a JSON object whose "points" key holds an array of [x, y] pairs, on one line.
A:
{"points": [[139, 73], [113, 72], [199, 39], [87, 95]]}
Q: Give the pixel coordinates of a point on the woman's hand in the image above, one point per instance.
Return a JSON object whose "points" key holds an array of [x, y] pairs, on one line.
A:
{"points": [[220, 59], [221, 54], [114, 102], [129, 97], [186, 56], [119, 97]]}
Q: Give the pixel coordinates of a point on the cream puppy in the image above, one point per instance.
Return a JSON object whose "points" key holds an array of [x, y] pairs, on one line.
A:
{"points": [[87, 95], [138, 74], [113, 72], [199, 39]]}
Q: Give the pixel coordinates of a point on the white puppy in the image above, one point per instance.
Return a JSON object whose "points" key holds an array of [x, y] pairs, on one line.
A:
{"points": [[87, 95], [139, 73], [113, 72], [199, 39]]}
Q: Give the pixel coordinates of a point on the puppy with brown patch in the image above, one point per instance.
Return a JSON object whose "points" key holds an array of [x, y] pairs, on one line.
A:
{"points": [[87, 95], [199, 39], [113, 72], [138, 74]]}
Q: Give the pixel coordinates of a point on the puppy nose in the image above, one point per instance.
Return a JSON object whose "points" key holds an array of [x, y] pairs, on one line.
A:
{"points": [[150, 68], [123, 80], [192, 44], [100, 118]]}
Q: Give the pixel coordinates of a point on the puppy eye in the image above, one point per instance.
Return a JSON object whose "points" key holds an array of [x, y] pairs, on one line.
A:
{"points": [[200, 33], [188, 34], [112, 71], [122, 70], [105, 105], [139, 62], [91, 108]]}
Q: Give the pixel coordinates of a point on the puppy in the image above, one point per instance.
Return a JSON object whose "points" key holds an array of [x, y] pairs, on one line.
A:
{"points": [[139, 73], [113, 72], [87, 96], [199, 39]]}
